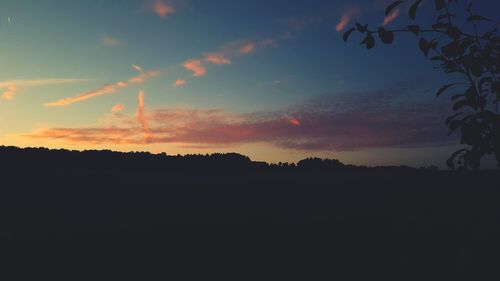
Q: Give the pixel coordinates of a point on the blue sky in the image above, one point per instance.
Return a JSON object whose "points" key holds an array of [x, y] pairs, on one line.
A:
{"points": [[249, 76]]}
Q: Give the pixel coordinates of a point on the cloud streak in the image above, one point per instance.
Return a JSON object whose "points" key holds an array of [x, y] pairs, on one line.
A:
{"points": [[105, 89], [141, 116], [11, 87], [117, 108]]}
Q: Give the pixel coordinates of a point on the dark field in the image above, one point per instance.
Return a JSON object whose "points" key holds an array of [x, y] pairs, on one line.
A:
{"points": [[226, 217]]}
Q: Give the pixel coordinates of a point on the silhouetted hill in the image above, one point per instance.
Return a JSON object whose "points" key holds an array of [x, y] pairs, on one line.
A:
{"points": [[200, 214]]}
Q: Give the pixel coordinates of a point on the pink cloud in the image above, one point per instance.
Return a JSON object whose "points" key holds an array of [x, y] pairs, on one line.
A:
{"points": [[392, 16], [179, 83], [162, 8], [117, 108], [247, 48], [346, 18], [342, 122], [195, 66], [294, 121]]}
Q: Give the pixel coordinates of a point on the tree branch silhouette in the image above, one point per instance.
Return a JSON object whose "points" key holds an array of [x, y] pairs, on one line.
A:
{"points": [[472, 54]]}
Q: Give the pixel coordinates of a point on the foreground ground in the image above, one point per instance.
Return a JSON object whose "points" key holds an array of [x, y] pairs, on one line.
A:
{"points": [[248, 223]]}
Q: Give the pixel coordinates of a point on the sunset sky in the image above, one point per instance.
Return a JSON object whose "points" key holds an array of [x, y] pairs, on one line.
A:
{"points": [[271, 79]]}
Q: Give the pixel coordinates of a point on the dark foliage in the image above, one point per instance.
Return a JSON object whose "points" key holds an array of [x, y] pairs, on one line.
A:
{"points": [[470, 48]]}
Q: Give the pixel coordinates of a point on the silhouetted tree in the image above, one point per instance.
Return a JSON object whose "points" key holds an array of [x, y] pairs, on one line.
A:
{"points": [[470, 47]]}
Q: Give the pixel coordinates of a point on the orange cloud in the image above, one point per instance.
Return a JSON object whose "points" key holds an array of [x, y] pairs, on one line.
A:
{"points": [[117, 108], [162, 8], [9, 94], [108, 41], [106, 89], [179, 83], [12, 87], [195, 66], [217, 58], [223, 56], [392, 16], [120, 136]]}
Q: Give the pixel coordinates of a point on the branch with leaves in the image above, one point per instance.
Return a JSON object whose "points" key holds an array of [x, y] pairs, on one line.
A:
{"points": [[470, 48]]}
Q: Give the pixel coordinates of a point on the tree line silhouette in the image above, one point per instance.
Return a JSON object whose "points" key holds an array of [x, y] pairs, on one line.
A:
{"points": [[226, 213], [107, 160]]}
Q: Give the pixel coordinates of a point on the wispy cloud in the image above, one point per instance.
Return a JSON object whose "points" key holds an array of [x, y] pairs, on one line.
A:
{"points": [[225, 55], [179, 83], [144, 76], [108, 41], [104, 90], [11, 87], [162, 8], [137, 68], [217, 58], [392, 16], [341, 122], [117, 108], [39, 82]]}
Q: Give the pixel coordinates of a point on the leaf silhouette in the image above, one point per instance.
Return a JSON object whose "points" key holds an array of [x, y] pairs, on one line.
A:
{"points": [[413, 9], [347, 34], [391, 7], [386, 36], [440, 4], [444, 88]]}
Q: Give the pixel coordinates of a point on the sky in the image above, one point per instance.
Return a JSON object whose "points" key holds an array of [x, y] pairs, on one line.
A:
{"points": [[270, 79]]}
